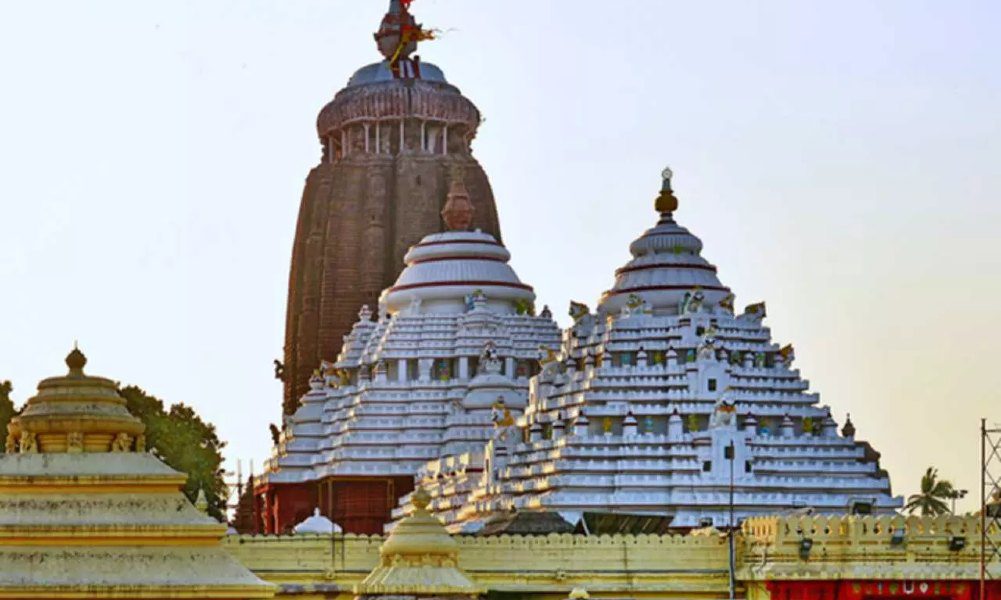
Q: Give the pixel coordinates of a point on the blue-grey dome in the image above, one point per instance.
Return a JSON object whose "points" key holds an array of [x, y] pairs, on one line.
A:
{"points": [[379, 72]]}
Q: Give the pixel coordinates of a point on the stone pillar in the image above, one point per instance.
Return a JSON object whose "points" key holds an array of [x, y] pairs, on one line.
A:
{"points": [[558, 428], [401, 370], [463, 368]]}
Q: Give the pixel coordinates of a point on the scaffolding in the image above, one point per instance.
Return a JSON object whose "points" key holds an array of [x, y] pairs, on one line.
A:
{"points": [[990, 501]]}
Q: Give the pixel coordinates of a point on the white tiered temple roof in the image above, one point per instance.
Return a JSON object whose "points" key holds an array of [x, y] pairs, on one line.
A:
{"points": [[451, 352], [636, 412]]}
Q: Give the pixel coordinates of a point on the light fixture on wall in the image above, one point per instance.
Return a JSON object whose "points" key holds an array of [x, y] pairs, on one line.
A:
{"points": [[805, 545], [897, 539]]}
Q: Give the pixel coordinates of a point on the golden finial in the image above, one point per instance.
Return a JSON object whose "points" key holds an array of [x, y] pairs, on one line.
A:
{"points": [[666, 201], [76, 360], [421, 499]]}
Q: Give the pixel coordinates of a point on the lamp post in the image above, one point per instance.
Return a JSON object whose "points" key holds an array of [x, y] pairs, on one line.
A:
{"points": [[956, 495], [729, 453]]}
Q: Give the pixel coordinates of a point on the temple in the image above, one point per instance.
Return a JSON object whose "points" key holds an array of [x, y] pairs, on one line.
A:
{"points": [[390, 140], [447, 359], [87, 512], [668, 402]]}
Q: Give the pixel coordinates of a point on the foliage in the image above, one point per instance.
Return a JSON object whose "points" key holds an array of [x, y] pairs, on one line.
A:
{"points": [[934, 492], [181, 439], [7, 411], [243, 517]]}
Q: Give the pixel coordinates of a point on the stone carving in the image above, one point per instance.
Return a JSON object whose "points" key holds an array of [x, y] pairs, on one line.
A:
{"points": [[788, 354], [505, 427], [578, 310], [724, 412], [754, 312], [707, 348], [490, 363], [29, 445], [546, 355], [727, 303], [74, 442], [121, 443], [524, 307], [140, 443], [10, 446], [635, 305], [692, 302]]}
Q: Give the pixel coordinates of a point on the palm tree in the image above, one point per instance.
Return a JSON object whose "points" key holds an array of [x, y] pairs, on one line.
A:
{"points": [[934, 493]]}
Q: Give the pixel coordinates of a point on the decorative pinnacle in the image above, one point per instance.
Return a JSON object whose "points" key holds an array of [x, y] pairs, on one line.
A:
{"points": [[666, 174], [421, 499], [458, 210], [76, 361], [666, 202]]}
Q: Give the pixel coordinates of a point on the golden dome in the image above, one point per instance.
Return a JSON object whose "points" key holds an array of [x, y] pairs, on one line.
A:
{"points": [[75, 413], [419, 557]]}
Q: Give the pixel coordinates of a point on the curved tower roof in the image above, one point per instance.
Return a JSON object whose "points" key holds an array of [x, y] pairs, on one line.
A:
{"points": [[392, 142]]}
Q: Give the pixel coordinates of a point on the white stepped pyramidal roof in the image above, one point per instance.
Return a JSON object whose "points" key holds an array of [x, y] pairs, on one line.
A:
{"points": [[451, 351], [639, 411]]}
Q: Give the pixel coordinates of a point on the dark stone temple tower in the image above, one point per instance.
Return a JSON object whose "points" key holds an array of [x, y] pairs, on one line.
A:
{"points": [[392, 140]]}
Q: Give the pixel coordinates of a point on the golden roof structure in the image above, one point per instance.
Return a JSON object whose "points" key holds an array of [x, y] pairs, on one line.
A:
{"points": [[85, 511], [419, 559]]}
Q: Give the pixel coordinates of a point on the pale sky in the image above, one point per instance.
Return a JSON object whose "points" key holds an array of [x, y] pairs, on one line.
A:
{"points": [[838, 160]]}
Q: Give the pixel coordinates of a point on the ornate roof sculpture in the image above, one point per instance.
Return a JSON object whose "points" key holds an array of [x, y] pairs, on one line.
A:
{"points": [[653, 399], [451, 352], [83, 506], [391, 141]]}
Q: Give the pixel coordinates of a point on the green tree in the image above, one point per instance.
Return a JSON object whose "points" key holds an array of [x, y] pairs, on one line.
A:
{"points": [[180, 438], [7, 411], [931, 501]]}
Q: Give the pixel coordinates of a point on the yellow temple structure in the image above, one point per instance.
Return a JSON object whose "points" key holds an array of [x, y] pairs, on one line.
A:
{"points": [[776, 558], [87, 512]]}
